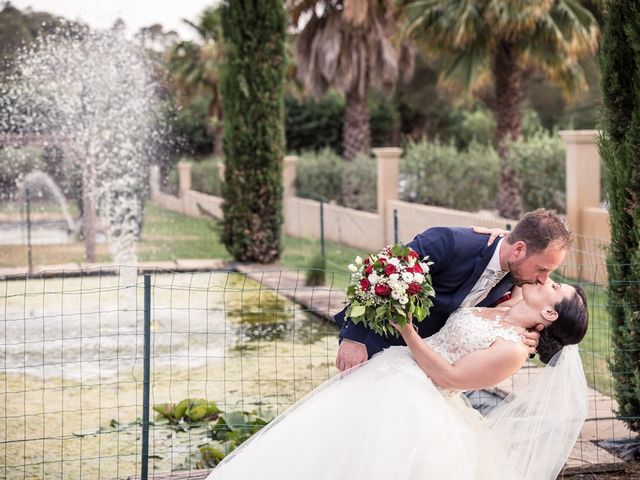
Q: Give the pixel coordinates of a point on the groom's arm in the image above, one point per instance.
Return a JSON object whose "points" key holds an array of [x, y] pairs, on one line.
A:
{"points": [[439, 245]]}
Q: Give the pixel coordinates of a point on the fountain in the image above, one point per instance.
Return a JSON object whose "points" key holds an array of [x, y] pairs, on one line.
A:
{"points": [[40, 178], [95, 91]]}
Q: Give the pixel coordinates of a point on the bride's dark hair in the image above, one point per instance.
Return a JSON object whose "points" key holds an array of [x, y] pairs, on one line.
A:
{"points": [[569, 328]]}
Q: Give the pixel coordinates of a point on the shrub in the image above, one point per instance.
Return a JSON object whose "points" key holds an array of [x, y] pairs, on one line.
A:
{"points": [[205, 177], [540, 161], [320, 174], [359, 184], [314, 124], [317, 124], [254, 137], [435, 173]]}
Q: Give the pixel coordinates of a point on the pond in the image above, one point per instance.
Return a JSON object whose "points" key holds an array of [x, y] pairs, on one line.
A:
{"points": [[72, 358]]}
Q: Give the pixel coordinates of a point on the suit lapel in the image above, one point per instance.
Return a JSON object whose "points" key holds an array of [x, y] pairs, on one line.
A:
{"points": [[481, 263]]}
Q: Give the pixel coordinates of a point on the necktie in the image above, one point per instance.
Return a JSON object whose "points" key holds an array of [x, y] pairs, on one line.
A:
{"points": [[481, 289]]}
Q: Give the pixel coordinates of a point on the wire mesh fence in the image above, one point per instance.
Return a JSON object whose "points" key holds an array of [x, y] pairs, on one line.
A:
{"points": [[224, 353]]}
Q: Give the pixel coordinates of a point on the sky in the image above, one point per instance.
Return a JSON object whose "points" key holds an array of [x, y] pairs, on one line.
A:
{"points": [[135, 13]]}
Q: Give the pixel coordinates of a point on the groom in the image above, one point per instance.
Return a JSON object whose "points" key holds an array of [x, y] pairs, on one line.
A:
{"points": [[467, 272]]}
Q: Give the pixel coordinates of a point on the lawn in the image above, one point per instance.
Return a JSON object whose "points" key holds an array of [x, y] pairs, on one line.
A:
{"points": [[169, 236]]}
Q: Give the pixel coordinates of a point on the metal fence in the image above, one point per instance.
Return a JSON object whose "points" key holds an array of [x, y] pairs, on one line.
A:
{"points": [[96, 368]]}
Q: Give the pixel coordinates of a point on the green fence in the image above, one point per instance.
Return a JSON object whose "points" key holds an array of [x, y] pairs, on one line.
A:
{"points": [[114, 374]]}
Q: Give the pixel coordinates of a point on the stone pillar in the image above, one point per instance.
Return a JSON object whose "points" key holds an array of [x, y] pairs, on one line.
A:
{"points": [[289, 175], [184, 175], [582, 180], [221, 171], [388, 160], [154, 181]]}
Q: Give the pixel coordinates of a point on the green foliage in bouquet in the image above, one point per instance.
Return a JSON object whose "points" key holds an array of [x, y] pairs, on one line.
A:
{"points": [[393, 286]]}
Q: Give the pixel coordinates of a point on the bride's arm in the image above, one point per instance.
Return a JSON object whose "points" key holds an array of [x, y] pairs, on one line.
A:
{"points": [[481, 369]]}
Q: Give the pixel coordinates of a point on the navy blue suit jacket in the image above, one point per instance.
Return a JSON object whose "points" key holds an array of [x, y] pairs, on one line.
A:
{"points": [[460, 256]]}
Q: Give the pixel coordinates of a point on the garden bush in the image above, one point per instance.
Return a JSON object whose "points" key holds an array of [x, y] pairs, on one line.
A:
{"points": [[359, 184], [204, 176], [540, 159], [325, 174], [320, 174], [436, 173]]}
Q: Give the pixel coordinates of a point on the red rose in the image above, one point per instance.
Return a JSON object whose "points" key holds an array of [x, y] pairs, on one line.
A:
{"points": [[368, 270], [382, 290], [382, 260], [413, 288], [417, 268], [365, 284], [366, 261], [390, 269]]}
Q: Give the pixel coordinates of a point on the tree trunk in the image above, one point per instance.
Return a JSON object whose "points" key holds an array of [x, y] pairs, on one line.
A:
{"points": [[356, 136], [89, 217], [217, 146], [508, 114], [216, 127]]}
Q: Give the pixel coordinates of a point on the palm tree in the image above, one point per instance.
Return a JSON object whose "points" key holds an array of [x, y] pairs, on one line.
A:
{"points": [[348, 45], [196, 68], [501, 41]]}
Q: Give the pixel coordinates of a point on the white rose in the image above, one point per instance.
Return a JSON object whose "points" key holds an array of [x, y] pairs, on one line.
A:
{"points": [[394, 277], [353, 268], [358, 260], [403, 300], [394, 261], [418, 278], [373, 278], [407, 277]]}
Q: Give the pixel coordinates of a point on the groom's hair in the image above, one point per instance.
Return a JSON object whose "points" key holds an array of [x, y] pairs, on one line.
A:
{"points": [[540, 228]]}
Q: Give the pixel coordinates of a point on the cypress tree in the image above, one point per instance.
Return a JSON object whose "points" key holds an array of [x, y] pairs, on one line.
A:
{"points": [[253, 143], [620, 151]]}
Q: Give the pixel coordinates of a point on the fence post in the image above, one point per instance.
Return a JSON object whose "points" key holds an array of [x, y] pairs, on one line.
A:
{"points": [[582, 164], [144, 473], [290, 163], [388, 160], [29, 252], [184, 174], [154, 181]]}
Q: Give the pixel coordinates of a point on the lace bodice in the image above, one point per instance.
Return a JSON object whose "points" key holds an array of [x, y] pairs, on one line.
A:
{"points": [[466, 332]]}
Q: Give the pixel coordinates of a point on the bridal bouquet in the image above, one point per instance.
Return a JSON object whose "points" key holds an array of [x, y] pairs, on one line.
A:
{"points": [[387, 287]]}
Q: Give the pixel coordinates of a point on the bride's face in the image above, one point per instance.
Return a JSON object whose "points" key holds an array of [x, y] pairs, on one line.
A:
{"points": [[547, 294]]}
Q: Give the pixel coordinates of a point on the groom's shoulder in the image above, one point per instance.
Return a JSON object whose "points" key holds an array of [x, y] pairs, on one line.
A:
{"points": [[453, 234], [461, 240]]}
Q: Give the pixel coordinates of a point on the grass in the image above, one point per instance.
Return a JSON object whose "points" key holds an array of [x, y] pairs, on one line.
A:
{"points": [[170, 236]]}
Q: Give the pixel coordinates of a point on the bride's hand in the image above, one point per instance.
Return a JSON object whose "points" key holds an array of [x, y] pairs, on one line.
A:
{"points": [[406, 329], [492, 232]]}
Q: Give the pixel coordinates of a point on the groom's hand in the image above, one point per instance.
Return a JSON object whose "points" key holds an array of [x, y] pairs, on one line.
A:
{"points": [[350, 354], [532, 337]]}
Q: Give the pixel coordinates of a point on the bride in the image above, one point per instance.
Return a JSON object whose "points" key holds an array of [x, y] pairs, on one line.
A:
{"points": [[402, 414]]}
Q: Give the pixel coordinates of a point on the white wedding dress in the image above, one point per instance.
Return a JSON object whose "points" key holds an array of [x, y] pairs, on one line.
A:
{"points": [[386, 420]]}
